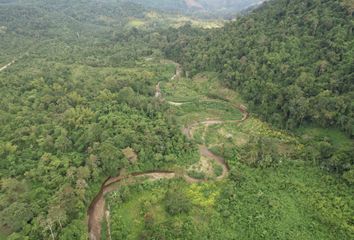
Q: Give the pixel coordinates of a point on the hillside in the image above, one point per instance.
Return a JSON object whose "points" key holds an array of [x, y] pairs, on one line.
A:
{"points": [[292, 61], [136, 119], [201, 8], [76, 94]]}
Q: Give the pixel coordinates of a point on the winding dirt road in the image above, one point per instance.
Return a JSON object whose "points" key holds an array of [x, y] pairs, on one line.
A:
{"points": [[97, 210]]}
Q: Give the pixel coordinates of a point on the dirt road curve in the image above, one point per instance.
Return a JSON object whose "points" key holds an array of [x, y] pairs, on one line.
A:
{"points": [[97, 210]]}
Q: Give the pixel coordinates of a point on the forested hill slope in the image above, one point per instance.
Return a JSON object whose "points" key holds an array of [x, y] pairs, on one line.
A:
{"points": [[293, 61], [78, 96], [60, 25], [206, 8]]}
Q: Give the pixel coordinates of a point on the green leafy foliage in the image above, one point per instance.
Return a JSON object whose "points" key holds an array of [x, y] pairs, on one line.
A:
{"points": [[177, 202], [82, 90], [69, 105], [291, 60]]}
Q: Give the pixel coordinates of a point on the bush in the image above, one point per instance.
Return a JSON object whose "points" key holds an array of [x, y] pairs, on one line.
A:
{"points": [[217, 170], [177, 202], [236, 176], [196, 174]]}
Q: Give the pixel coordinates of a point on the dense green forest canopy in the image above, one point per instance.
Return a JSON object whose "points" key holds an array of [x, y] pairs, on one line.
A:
{"points": [[202, 8], [68, 114], [77, 105], [291, 60], [29, 26]]}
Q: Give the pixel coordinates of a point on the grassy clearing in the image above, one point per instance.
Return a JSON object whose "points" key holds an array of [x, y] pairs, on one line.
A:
{"points": [[200, 111], [136, 23], [180, 91], [239, 134], [179, 20], [202, 87], [154, 20], [203, 98], [205, 168], [335, 136], [128, 216], [134, 208], [289, 200]]}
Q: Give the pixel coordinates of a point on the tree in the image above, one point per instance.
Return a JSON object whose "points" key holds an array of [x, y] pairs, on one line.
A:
{"points": [[16, 215], [58, 214], [46, 224], [74, 231], [176, 202], [63, 143], [110, 157], [126, 95]]}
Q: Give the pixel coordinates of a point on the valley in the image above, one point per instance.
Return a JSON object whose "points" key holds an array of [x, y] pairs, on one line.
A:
{"points": [[164, 119], [97, 208], [215, 133]]}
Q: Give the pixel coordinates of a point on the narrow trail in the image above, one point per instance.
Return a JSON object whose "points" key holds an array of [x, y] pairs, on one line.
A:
{"points": [[7, 65], [158, 90], [97, 211], [189, 130], [176, 103], [178, 73]]}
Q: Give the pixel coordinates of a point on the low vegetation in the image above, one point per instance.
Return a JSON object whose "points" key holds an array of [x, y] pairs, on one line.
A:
{"points": [[270, 189], [251, 138]]}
